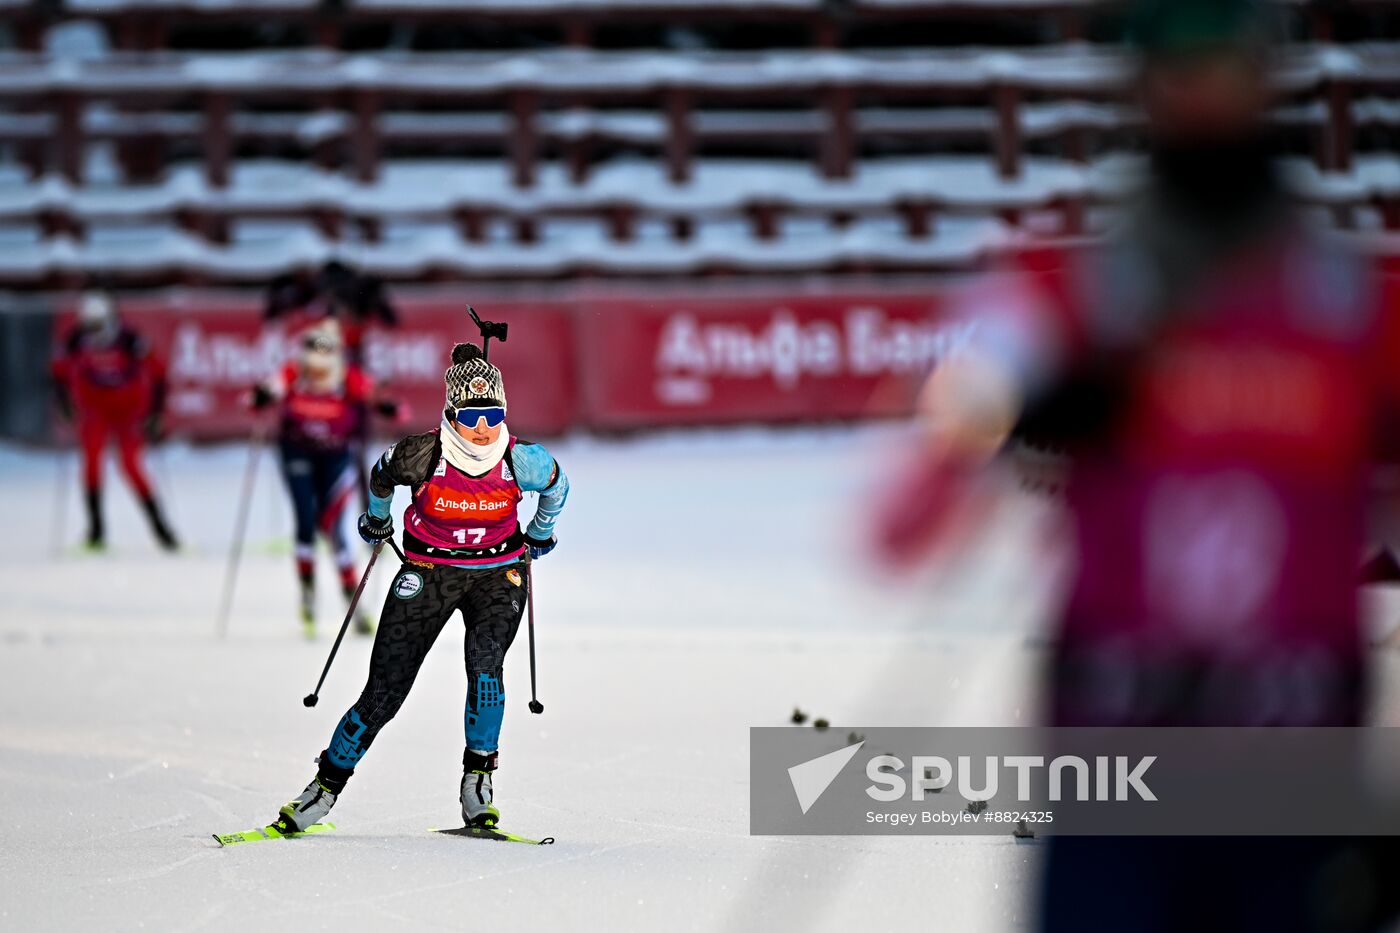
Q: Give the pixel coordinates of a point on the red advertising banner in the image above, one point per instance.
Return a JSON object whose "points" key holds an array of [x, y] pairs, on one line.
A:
{"points": [[616, 363], [756, 358], [215, 353]]}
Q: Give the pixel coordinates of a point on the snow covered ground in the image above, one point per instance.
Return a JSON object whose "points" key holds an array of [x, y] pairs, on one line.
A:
{"points": [[686, 603]]}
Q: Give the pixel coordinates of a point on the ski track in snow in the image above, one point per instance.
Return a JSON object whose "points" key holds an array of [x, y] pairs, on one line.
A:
{"points": [[151, 874], [129, 733]]}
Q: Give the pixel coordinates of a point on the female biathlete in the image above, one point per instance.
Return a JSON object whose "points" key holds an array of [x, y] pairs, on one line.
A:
{"points": [[465, 552]]}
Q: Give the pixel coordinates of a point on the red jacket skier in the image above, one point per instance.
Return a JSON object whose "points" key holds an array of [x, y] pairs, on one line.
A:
{"points": [[113, 387]]}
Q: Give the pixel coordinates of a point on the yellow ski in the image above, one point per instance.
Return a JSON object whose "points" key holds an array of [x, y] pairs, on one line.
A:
{"points": [[270, 832]]}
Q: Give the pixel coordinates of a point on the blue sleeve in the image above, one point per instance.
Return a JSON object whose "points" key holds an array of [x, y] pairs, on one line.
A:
{"points": [[379, 504], [536, 470]]}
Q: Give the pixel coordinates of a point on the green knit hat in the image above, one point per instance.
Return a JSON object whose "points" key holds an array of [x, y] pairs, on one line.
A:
{"points": [[1173, 28]]}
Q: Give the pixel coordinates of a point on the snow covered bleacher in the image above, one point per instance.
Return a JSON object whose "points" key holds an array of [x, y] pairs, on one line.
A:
{"points": [[169, 164]]}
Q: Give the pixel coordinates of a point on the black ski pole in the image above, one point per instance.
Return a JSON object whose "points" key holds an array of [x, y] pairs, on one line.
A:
{"points": [[310, 699], [240, 531], [535, 705], [397, 550]]}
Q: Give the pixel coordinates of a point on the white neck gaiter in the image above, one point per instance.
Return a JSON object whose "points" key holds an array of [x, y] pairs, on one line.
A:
{"points": [[468, 457]]}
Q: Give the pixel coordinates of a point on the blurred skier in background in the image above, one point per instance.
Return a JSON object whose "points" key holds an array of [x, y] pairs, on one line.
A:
{"points": [[1223, 381], [355, 300], [111, 386], [466, 551], [324, 403]]}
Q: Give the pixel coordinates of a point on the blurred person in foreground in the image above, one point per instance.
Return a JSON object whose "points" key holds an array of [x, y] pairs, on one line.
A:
{"points": [[112, 386], [324, 403], [1222, 381]]}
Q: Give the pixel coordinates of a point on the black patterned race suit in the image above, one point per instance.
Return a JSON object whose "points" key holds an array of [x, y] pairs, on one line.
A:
{"points": [[423, 596]]}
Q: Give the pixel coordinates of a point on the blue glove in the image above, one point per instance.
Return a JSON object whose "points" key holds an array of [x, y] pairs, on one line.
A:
{"points": [[375, 530], [540, 548]]}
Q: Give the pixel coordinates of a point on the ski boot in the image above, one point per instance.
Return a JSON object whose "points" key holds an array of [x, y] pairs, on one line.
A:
{"points": [[308, 611], [97, 534], [164, 536], [349, 583], [478, 806], [363, 624], [314, 802]]}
